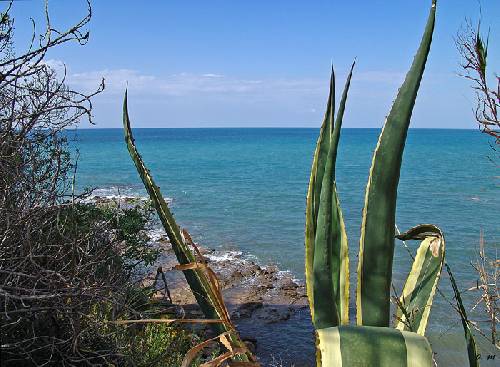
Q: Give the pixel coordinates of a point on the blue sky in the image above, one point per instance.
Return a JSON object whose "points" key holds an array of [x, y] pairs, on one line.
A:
{"points": [[262, 63]]}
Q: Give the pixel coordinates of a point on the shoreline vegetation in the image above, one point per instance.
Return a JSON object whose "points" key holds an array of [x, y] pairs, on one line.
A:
{"points": [[264, 301], [86, 280]]}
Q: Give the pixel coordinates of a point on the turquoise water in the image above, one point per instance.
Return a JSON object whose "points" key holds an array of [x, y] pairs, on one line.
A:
{"points": [[245, 188]]}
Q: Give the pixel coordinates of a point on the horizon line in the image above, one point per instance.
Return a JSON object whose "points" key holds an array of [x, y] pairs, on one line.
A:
{"points": [[263, 127]]}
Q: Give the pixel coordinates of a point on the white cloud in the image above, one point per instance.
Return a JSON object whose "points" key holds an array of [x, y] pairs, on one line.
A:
{"points": [[210, 75], [223, 100], [116, 80], [183, 84], [57, 65]]}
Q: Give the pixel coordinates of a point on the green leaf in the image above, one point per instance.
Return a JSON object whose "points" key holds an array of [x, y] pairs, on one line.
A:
{"points": [[420, 286], [469, 336], [200, 281], [314, 190], [327, 262], [377, 230], [352, 346]]}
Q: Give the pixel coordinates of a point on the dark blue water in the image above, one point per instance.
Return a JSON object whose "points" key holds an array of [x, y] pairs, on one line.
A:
{"points": [[245, 188]]}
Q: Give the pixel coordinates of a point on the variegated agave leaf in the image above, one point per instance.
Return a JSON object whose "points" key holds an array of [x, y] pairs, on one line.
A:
{"points": [[327, 261], [376, 247], [349, 346], [200, 278], [415, 303]]}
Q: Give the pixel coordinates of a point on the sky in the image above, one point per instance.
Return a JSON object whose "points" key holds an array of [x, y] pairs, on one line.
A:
{"points": [[235, 63]]}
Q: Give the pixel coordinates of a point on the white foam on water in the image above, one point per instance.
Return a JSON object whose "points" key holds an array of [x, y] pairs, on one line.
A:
{"points": [[220, 256], [118, 193], [155, 234], [223, 255]]}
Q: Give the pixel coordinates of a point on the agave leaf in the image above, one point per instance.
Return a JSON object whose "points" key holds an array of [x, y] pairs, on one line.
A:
{"points": [[343, 252], [314, 190], [377, 230], [200, 278], [418, 292], [349, 346], [469, 336], [182, 252], [327, 264]]}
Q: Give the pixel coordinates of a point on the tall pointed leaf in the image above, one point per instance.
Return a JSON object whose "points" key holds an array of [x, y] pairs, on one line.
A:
{"points": [[200, 279], [343, 252], [420, 286], [472, 352], [314, 190], [326, 266], [326, 241], [377, 230]]}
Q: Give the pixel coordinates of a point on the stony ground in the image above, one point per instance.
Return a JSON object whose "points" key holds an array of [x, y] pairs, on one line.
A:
{"points": [[268, 307]]}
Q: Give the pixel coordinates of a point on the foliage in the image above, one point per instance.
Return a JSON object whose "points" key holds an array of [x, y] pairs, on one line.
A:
{"points": [[157, 345], [129, 225], [473, 49], [474, 52], [200, 277], [472, 352], [371, 342], [487, 270], [66, 268]]}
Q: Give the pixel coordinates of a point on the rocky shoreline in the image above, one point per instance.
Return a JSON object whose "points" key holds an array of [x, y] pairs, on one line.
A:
{"points": [[263, 301], [268, 306]]}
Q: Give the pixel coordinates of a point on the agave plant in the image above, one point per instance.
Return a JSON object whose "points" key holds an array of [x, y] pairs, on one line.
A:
{"points": [[372, 342], [200, 277]]}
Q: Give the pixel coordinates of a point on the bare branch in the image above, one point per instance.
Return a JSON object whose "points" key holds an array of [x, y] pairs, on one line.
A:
{"points": [[474, 53]]}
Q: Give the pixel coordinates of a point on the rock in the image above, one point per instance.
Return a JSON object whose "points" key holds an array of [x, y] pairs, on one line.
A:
{"points": [[251, 344], [246, 310], [270, 269], [251, 270], [273, 314], [236, 275], [288, 284], [163, 239], [204, 250]]}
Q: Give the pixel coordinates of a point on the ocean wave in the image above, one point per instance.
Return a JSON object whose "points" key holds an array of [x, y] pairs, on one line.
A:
{"points": [[219, 256], [119, 193], [156, 235]]}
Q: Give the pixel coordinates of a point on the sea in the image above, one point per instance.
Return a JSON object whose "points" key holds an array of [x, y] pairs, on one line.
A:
{"points": [[244, 189]]}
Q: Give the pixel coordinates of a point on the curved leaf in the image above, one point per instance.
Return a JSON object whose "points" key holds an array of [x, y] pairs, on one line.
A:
{"points": [[350, 346], [472, 352], [327, 262], [377, 230], [200, 278], [314, 190], [420, 286]]}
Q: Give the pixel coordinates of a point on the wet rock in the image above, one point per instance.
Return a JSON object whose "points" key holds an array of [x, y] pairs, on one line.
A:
{"points": [[270, 269], [288, 284], [246, 310], [236, 275], [251, 344], [251, 270], [274, 314]]}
